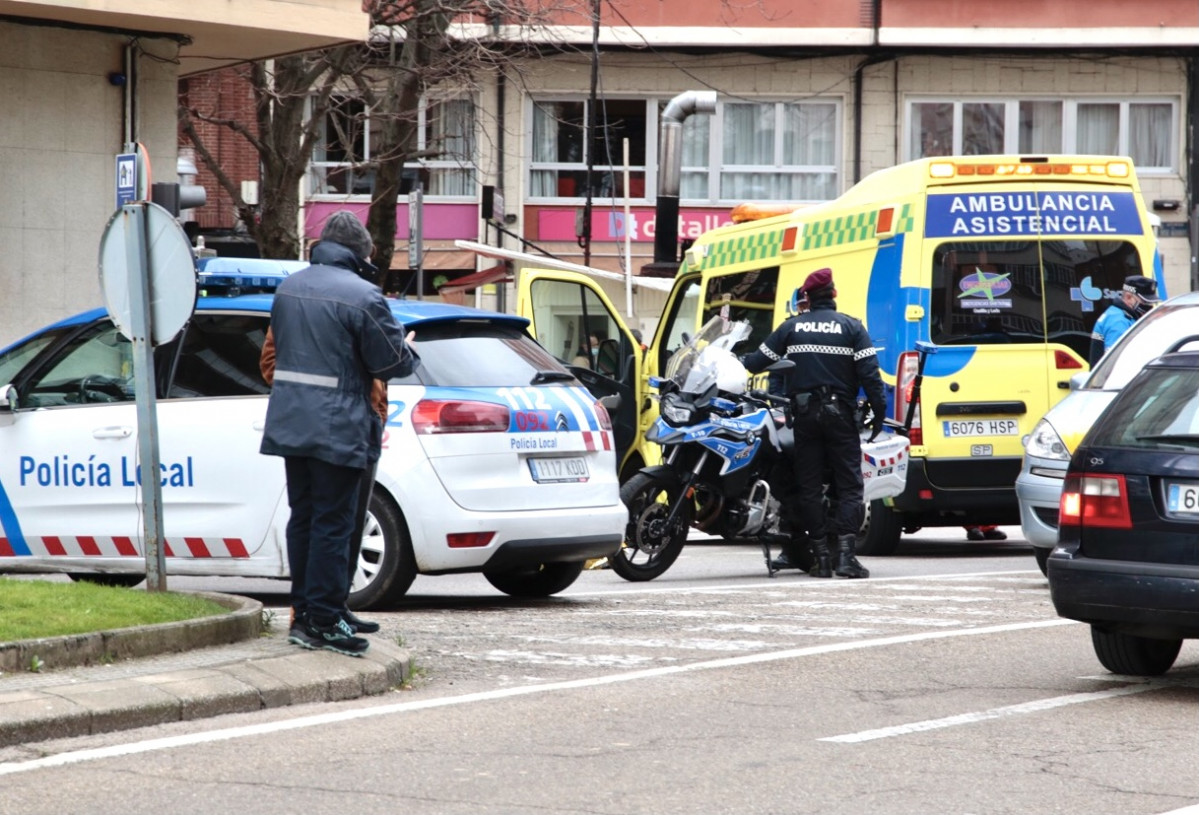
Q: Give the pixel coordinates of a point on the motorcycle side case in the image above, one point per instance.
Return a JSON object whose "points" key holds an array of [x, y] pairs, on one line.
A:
{"points": [[884, 465]]}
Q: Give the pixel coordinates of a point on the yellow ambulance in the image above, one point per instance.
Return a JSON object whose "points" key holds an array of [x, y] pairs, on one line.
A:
{"points": [[999, 264]]}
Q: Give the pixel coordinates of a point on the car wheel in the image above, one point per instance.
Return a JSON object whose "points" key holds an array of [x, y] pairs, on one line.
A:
{"points": [[1134, 656], [125, 581], [1042, 556], [386, 566], [541, 580], [881, 528]]}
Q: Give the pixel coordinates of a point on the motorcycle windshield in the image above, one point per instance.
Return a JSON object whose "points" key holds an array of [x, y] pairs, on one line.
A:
{"points": [[706, 359]]}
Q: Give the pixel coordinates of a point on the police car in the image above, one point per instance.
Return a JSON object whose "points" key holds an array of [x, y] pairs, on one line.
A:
{"points": [[495, 459]]}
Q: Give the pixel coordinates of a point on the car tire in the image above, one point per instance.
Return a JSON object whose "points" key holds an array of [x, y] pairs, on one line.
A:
{"points": [[881, 528], [1042, 556], [541, 580], [1132, 655], [124, 581], [386, 565]]}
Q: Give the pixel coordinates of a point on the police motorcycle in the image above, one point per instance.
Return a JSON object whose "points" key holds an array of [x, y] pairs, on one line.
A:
{"points": [[724, 457]]}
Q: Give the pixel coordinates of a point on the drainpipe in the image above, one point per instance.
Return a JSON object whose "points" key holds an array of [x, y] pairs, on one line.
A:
{"points": [[670, 168]]}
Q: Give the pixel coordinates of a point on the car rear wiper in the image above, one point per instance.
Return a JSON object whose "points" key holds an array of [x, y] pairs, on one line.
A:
{"points": [[542, 377], [1183, 439]]}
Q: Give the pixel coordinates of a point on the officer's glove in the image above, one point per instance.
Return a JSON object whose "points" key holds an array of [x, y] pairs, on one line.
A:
{"points": [[876, 427]]}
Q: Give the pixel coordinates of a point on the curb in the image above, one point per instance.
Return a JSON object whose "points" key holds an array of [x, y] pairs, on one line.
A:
{"points": [[242, 623]]}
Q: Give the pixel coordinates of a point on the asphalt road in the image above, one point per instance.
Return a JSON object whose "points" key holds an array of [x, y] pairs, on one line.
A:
{"points": [[943, 684]]}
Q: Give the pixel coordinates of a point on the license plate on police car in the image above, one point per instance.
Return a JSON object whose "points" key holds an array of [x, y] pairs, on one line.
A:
{"points": [[553, 470], [963, 428], [1182, 499]]}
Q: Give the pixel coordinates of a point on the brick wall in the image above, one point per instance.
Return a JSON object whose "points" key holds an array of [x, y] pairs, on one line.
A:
{"points": [[226, 94]]}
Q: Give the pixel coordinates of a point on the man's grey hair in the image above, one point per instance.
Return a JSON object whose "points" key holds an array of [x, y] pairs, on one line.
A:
{"points": [[344, 227]]}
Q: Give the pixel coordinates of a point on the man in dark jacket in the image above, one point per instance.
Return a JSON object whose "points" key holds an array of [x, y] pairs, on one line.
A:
{"points": [[834, 358], [334, 334]]}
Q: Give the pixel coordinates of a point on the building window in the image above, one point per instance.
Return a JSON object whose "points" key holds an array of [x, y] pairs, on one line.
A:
{"points": [[561, 150], [347, 150], [1145, 129], [762, 151]]}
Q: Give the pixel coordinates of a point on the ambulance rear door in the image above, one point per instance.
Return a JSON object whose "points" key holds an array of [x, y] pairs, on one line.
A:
{"points": [[1019, 274]]}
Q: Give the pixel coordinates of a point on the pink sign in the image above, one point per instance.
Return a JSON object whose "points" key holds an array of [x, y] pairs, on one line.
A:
{"points": [[441, 221], [558, 224]]}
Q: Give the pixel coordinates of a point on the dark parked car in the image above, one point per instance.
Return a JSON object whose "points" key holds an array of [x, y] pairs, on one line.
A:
{"points": [[1127, 559]]}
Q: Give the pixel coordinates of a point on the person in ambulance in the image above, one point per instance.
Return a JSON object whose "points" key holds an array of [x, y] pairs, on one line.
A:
{"points": [[495, 459]]}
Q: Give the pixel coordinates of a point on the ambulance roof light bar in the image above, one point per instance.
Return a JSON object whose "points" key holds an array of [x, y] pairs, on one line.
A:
{"points": [[957, 168]]}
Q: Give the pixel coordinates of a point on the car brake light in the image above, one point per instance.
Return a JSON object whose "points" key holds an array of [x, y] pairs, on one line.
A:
{"points": [[1095, 500], [431, 416], [1064, 361], [602, 416], [468, 540], [909, 366]]}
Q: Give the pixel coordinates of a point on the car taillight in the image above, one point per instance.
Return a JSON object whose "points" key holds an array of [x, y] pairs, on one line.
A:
{"points": [[1094, 500], [601, 415], [1063, 360], [456, 416], [905, 385]]}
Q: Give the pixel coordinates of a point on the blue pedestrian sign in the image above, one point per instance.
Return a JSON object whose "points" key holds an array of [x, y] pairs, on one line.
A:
{"points": [[126, 179]]}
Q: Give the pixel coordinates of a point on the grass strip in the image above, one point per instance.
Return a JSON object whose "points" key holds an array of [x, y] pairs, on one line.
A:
{"points": [[30, 609]]}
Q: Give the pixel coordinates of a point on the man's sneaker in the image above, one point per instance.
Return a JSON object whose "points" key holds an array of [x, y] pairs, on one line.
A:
{"points": [[995, 535], [337, 636], [359, 625]]}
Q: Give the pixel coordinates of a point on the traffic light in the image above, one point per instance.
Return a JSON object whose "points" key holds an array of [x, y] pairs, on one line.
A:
{"points": [[175, 198]]}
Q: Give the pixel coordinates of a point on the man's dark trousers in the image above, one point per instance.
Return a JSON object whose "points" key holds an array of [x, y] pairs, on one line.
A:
{"points": [[323, 498], [827, 438]]}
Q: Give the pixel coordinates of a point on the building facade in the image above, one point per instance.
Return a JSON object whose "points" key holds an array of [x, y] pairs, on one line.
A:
{"points": [[80, 80], [811, 96]]}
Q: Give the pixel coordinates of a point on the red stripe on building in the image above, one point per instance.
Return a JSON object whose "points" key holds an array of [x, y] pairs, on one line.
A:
{"points": [[54, 546], [196, 547], [236, 547], [6, 548], [88, 545], [125, 547]]}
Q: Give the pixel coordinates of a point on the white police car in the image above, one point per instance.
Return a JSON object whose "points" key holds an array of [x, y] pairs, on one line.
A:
{"points": [[495, 459]]}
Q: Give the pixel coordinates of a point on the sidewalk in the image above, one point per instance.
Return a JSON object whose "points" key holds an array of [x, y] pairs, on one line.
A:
{"points": [[118, 680]]}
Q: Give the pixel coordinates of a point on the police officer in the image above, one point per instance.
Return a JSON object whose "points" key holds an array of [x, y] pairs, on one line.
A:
{"points": [[1137, 297], [834, 358]]}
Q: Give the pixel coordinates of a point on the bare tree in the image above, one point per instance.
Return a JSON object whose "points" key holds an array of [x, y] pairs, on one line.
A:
{"points": [[411, 51]]}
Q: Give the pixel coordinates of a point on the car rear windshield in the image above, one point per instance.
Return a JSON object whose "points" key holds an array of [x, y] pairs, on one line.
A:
{"points": [[1166, 328], [480, 355], [1026, 291], [1158, 411]]}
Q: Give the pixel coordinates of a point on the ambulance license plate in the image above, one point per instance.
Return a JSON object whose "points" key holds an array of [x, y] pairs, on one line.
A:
{"points": [[964, 428], [556, 470], [1182, 499]]}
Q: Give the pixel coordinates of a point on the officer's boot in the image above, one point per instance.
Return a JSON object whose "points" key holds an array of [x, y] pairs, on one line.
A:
{"points": [[793, 554], [847, 563], [821, 559]]}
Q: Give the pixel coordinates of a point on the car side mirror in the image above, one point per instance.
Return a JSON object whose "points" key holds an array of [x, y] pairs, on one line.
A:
{"points": [[8, 403], [611, 403], [1078, 380]]}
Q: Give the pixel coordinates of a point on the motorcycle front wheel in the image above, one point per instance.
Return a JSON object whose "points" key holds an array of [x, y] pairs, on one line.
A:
{"points": [[650, 545]]}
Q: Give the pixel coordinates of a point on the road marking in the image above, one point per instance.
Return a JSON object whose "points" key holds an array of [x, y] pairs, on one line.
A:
{"points": [[173, 742], [993, 713]]}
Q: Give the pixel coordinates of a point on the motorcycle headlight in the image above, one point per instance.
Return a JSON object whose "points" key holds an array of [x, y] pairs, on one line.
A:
{"points": [[1044, 442], [674, 412]]}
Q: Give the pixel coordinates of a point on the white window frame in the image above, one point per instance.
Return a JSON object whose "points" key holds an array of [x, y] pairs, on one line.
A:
{"points": [[1011, 130], [318, 169], [714, 166]]}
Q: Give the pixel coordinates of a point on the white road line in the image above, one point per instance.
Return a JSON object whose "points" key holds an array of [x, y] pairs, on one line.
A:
{"points": [[993, 713], [247, 731]]}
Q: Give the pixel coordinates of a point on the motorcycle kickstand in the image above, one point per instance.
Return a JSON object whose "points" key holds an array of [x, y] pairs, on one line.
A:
{"points": [[770, 570]]}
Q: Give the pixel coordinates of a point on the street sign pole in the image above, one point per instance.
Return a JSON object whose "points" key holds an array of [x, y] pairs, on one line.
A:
{"points": [[416, 238], [134, 217]]}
